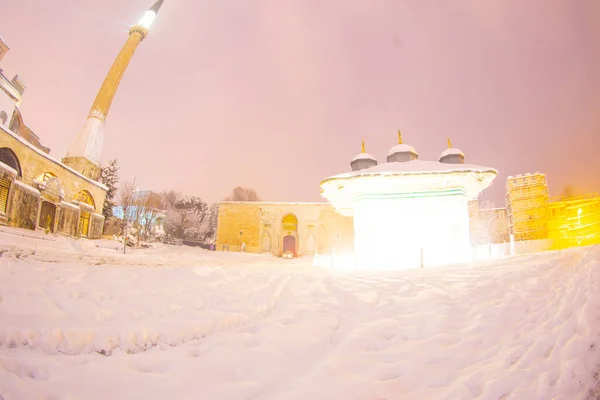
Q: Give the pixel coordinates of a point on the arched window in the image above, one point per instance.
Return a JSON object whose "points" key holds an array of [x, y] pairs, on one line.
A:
{"points": [[83, 196], [45, 176], [8, 157]]}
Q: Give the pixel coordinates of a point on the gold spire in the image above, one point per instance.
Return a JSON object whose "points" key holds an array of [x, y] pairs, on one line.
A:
{"points": [[362, 149], [449, 144], [399, 137]]}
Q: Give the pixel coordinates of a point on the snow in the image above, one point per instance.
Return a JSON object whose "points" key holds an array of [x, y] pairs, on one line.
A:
{"points": [[52, 159], [80, 320], [451, 151], [8, 169], [402, 148], [364, 156], [415, 167], [27, 187]]}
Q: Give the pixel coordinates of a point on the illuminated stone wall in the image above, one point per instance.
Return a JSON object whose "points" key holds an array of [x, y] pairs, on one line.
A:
{"points": [[25, 214], [574, 222], [64, 186], [68, 220], [96, 227], [259, 225]]}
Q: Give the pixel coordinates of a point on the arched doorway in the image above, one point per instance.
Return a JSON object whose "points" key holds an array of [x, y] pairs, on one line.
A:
{"points": [[290, 233], [85, 198], [47, 216], [8, 157]]}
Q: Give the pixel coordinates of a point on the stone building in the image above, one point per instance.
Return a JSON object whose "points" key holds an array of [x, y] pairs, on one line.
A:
{"points": [[269, 227], [318, 228], [36, 190]]}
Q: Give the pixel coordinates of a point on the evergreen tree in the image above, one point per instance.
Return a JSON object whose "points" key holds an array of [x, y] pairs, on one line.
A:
{"points": [[110, 177]]}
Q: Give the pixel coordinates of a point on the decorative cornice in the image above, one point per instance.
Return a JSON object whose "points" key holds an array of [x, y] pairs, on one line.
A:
{"points": [[139, 29]]}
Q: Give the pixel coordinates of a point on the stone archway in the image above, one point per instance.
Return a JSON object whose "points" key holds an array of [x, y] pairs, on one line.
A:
{"points": [[8, 157], [289, 228], [47, 216], [87, 205]]}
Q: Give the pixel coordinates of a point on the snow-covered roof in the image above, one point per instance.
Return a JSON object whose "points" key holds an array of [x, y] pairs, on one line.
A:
{"points": [[413, 167], [405, 177], [402, 148], [452, 151], [53, 160], [364, 156], [27, 187], [8, 168]]}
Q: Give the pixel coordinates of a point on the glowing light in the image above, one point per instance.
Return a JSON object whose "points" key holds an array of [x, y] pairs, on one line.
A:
{"points": [[407, 219], [407, 232], [147, 19]]}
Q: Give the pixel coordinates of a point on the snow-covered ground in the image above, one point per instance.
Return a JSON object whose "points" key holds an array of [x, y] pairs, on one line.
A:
{"points": [[79, 320]]}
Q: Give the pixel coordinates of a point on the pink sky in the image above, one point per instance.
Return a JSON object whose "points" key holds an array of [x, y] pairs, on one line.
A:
{"points": [[277, 95]]}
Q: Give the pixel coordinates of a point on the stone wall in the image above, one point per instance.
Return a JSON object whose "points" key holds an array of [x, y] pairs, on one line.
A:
{"points": [[97, 225], [56, 182], [68, 219], [26, 201], [259, 225], [34, 163], [237, 223]]}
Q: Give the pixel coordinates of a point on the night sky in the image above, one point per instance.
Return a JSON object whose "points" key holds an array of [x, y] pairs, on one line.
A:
{"points": [[277, 95]]}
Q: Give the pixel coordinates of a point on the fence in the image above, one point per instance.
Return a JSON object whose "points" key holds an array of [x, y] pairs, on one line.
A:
{"points": [[501, 250]]}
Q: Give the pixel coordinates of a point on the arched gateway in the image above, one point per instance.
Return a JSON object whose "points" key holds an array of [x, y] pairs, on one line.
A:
{"points": [[290, 234]]}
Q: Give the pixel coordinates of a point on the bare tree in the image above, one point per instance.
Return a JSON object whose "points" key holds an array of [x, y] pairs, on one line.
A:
{"points": [[126, 201], [243, 194], [488, 226], [170, 197], [152, 204]]}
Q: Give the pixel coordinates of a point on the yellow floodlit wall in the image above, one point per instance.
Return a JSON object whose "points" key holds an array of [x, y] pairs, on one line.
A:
{"points": [[574, 221], [527, 206]]}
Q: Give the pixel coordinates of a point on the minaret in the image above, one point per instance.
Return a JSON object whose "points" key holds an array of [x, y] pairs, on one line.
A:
{"points": [[85, 153]]}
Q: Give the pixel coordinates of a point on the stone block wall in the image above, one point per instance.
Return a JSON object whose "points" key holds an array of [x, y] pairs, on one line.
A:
{"points": [[237, 223], [25, 204], [320, 228], [68, 219], [97, 225]]}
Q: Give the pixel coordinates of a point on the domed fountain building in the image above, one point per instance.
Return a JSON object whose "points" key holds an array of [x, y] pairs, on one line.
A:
{"points": [[408, 213]]}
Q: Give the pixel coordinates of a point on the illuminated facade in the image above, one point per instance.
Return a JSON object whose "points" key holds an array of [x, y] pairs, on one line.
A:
{"points": [[574, 221], [36, 190], [305, 229], [527, 205], [408, 213]]}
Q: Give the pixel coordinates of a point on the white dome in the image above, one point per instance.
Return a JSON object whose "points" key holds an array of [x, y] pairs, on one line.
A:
{"points": [[451, 151], [364, 156], [402, 148]]}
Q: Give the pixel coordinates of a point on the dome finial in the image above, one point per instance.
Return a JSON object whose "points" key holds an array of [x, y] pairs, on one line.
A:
{"points": [[362, 147], [449, 143], [399, 137]]}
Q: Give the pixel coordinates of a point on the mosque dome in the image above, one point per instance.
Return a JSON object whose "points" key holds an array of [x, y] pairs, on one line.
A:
{"points": [[402, 152], [452, 155], [363, 160]]}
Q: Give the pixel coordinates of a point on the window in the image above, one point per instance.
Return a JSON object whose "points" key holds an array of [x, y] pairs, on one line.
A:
{"points": [[4, 188]]}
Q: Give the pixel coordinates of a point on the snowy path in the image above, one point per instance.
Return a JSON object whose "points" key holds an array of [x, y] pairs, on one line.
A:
{"points": [[78, 322]]}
